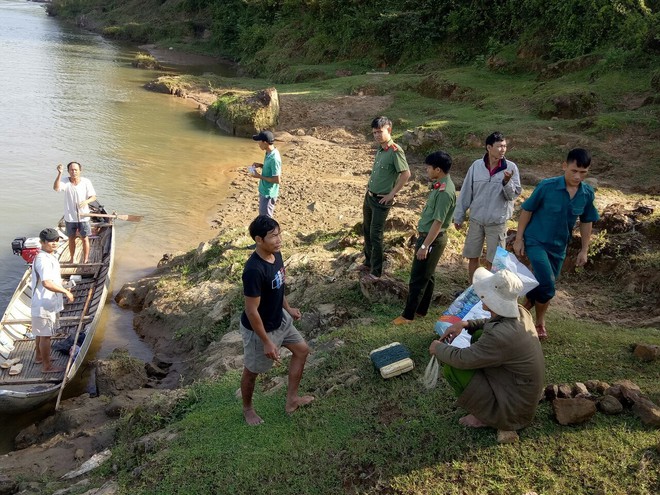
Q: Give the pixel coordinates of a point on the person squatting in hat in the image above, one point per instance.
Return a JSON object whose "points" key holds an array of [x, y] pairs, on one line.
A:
{"points": [[499, 378], [47, 299], [269, 178]]}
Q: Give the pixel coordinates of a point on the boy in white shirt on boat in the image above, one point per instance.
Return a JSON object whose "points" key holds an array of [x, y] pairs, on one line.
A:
{"points": [[47, 301]]}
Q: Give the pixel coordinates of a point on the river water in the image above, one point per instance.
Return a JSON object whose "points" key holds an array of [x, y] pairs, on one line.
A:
{"points": [[69, 95]]}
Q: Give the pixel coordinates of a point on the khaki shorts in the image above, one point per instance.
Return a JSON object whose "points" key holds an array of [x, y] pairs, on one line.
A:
{"points": [[254, 358], [494, 235], [44, 327]]}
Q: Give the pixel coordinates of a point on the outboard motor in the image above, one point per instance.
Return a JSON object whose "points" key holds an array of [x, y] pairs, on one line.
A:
{"points": [[26, 247]]}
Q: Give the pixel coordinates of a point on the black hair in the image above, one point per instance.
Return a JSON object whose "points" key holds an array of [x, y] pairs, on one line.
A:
{"points": [[73, 163], [261, 225], [580, 156], [380, 122], [495, 137], [439, 159]]}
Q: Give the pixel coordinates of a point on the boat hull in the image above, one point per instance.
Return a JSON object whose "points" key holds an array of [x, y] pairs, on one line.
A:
{"points": [[31, 388]]}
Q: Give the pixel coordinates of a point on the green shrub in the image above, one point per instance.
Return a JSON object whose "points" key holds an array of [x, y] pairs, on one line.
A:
{"points": [[268, 36], [655, 81]]}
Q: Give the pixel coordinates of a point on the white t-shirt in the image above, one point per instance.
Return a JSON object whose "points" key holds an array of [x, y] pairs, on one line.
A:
{"points": [[46, 303], [73, 195]]}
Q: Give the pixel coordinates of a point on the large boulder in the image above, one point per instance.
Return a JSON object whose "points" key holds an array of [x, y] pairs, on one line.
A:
{"points": [[133, 295], [557, 69], [244, 113], [420, 138], [119, 372], [647, 352], [437, 87], [647, 411], [224, 355], [572, 105], [608, 404], [573, 411]]}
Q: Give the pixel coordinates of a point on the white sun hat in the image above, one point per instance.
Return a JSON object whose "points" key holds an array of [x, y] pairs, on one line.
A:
{"points": [[499, 291]]}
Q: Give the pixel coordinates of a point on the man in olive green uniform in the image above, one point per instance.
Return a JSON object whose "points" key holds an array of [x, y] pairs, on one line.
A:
{"points": [[432, 238], [389, 174]]}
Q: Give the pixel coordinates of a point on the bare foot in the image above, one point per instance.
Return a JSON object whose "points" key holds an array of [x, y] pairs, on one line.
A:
{"points": [[471, 421], [507, 436], [52, 370], [251, 417], [291, 407]]}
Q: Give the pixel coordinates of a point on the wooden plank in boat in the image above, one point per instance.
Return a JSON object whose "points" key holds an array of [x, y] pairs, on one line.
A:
{"points": [[80, 270], [24, 350], [76, 265], [29, 320], [31, 381]]}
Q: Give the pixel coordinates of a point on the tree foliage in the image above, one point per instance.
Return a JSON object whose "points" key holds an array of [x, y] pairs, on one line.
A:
{"points": [[267, 34]]}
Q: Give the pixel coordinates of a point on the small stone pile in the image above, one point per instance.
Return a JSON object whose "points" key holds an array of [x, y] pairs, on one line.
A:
{"points": [[577, 403]]}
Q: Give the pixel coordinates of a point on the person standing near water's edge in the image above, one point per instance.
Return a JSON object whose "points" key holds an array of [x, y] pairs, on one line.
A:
{"points": [[78, 194], [267, 322], [269, 178], [389, 174]]}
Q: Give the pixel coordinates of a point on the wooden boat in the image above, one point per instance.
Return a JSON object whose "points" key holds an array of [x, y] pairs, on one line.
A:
{"points": [[31, 388]]}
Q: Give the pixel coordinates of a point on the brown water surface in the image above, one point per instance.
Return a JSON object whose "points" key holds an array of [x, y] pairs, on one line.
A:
{"points": [[71, 95]]}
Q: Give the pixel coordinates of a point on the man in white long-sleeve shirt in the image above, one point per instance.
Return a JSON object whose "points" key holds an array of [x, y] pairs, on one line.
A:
{"points": [[489, 190]]}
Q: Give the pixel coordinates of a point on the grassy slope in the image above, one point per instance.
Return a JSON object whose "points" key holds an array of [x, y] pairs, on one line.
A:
{"points": [[395, 437]]}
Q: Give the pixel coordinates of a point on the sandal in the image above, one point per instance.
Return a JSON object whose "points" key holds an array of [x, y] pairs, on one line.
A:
{"points": [[8, 363], [16, 369], [541, 332]]}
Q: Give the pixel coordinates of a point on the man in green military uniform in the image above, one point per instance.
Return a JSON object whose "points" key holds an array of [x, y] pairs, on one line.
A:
{"points": [[432, 239], [388, 175]]}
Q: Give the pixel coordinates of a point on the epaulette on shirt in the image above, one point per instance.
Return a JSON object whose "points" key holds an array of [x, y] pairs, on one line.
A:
{"points": [[439, 186], [392, 146]]}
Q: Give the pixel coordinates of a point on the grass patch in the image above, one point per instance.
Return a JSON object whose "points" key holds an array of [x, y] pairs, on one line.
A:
{"points": [[395, 437]]}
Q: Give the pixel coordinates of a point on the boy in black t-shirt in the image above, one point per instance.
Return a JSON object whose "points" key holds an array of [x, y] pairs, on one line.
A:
{"points": [[267, 322]]}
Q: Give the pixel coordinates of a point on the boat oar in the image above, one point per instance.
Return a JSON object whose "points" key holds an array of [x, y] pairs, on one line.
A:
{"points": [[129, 218], [75, 343]]}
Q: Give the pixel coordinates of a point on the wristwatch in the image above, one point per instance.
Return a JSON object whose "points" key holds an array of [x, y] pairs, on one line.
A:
{"points": [[423, 246]]}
